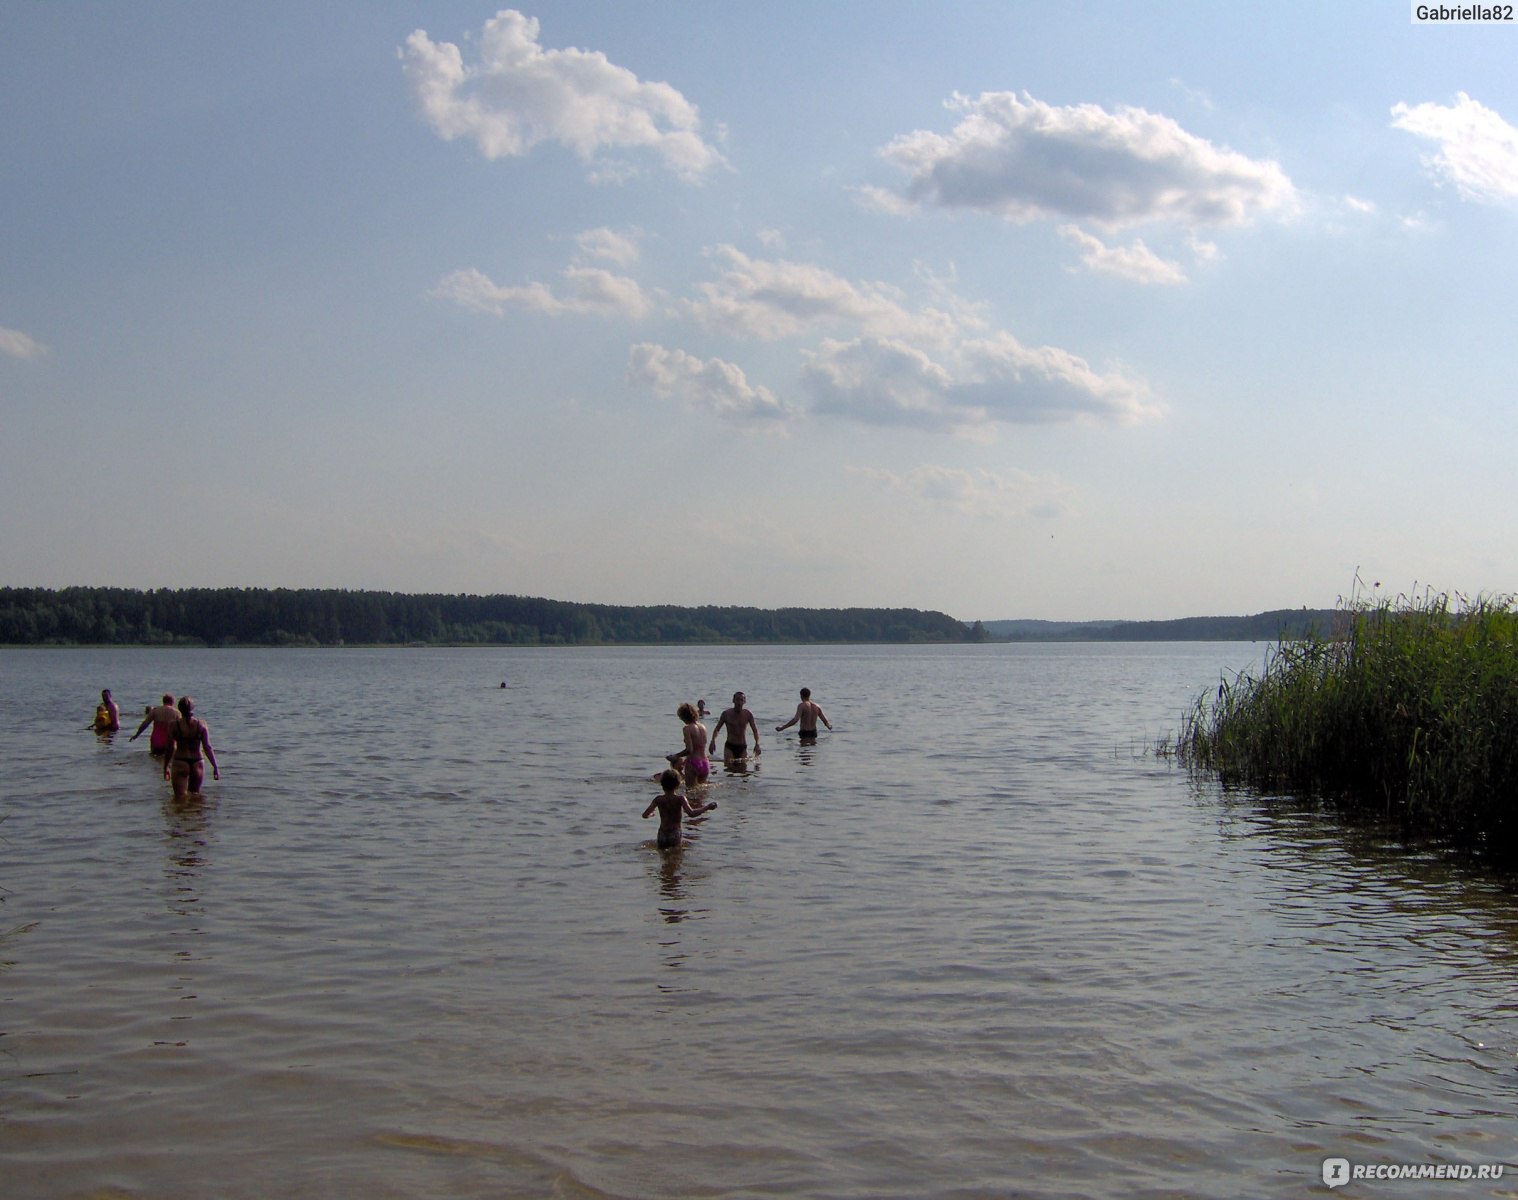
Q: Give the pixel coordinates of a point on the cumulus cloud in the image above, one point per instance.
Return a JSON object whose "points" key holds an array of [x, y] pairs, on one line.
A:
{"points": [[883, 200], [883, 360], [881, 381], [978, 493], [1022, 159], [869, 353], [517, 95], [1134, 262], [979, 383], [774, 298], [585, 291], [20, 345], [1203, 251], [610, 246], [1478, 150], [708, 385]]}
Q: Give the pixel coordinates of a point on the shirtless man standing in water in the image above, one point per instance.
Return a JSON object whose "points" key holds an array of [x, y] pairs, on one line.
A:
{"points": [[734, 720], [808, 713]]}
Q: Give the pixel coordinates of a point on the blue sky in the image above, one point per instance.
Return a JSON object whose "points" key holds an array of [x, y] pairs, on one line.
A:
{"points": [[1008, 310]]}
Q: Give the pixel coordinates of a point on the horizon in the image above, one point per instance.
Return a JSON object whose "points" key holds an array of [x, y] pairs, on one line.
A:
{"points": [[967, 621], [961, 308]]}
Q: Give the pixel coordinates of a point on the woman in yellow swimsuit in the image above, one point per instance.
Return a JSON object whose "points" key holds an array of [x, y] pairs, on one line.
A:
{"points": [[188, 737]]}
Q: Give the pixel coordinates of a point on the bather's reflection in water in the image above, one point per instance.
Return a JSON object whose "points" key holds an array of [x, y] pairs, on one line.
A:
{"points": [[187, 835], [677, 880], [672, 885], [740, 766], [187, 828]]}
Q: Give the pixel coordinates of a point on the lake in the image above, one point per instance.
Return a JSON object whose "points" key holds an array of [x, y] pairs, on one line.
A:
{"points": [[978, 941]]}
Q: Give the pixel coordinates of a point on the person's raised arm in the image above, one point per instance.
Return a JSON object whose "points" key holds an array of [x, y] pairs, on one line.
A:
{"points": [[695, 810], [792, 721], [649, 811], [146, 721]]}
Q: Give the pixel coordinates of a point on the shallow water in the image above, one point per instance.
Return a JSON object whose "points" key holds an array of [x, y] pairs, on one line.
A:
{"points": [[978, 941]]}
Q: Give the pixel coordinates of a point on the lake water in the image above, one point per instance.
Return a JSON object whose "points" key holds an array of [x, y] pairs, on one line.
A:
{"points": [[976, 942]]}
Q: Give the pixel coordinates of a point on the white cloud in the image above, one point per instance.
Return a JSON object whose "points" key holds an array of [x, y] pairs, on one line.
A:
{"points": [[1022, 159], [884, 361], [1478, 150], [20, 345], [874, 358], [774, 298], [610, 246], [586, 291], [979, 383], [1135, 262], [1195, 95], [978, 493], [517, 96], [882, 381], [1203, 251], [883, 200], [709, 385]]}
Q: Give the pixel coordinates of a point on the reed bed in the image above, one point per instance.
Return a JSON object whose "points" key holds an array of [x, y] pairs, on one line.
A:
{"points": [[1407, 711]]}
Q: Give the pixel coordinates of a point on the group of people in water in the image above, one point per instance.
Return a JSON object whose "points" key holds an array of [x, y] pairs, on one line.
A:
{"points": [[692, 762], [178, 737], [183, 741]]}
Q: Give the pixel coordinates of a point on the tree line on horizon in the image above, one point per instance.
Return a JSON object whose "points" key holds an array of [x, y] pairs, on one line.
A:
{"points": [[1281, 624], [335, 617]]}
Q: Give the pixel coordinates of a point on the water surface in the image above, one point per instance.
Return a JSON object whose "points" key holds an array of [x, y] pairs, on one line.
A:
{"points": [[978, 941]]}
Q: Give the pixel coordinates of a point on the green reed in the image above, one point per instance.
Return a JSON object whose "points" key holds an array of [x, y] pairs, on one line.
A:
{"points": [[1408, 710]]}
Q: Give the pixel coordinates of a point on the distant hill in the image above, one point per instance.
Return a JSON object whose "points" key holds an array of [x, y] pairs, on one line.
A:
{"points": [[1044, 631], [334, 617], [1287, 623]]}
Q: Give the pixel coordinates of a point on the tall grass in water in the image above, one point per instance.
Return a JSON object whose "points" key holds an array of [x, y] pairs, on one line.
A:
{"points": [[1408, 710]]}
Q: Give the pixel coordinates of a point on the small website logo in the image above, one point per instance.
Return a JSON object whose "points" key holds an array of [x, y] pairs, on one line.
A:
{"points": [[1336, 1172]]}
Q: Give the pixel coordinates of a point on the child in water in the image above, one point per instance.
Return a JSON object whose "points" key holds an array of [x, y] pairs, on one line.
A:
{"points": [[672, 806], [107, 714]]}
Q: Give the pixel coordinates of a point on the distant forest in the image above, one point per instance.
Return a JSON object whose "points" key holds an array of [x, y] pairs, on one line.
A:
{"points": [[1282, 623], [335, 617], [313, 617]]}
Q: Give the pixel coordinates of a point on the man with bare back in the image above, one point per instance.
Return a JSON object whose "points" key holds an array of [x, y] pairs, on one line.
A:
{"points": [[808, 712]]}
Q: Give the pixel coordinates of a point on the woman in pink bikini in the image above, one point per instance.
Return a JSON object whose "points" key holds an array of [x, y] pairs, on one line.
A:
{"points": [[693, 758]]}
